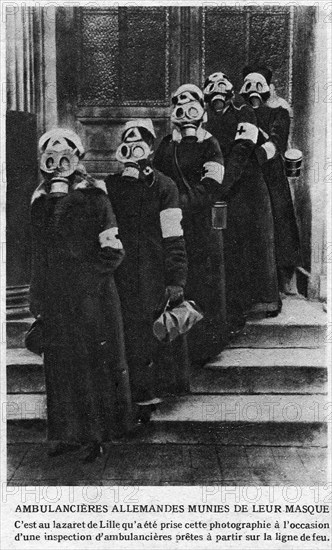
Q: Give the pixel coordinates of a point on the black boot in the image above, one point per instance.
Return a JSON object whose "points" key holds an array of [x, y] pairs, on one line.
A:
{"points": [[236, 324], [143, 414], [94, 450], [276, 312], [62, 447]]}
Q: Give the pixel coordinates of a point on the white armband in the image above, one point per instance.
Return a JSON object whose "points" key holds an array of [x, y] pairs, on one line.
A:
{"points": [[213, 170], [110, 238], [246, 130], [270, 149], [170, 222]]}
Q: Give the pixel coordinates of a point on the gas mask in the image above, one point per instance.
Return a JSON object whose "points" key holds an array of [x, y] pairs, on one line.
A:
{"points": [[255, 89], [188, 113], [218, 91], [61, 151], [136, 148]]}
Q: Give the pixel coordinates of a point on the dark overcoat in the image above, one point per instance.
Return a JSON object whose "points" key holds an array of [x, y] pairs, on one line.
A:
{"points": [[149, 220], [251, 274], [73, 289], [274, 122], [197, 169]]}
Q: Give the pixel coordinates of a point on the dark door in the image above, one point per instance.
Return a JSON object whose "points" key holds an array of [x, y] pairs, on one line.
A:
{"points": [[22, 178], [119, 63]]}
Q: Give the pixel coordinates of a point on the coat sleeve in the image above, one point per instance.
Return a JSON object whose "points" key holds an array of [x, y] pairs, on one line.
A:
{"points": [[38, 264], [175, 257], [243, 146], [278, 138], [111, 251], [207, 191]]}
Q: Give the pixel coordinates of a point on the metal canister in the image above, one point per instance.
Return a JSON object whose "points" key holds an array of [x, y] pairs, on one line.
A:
{"points": [[293, 163], [219, 215]]}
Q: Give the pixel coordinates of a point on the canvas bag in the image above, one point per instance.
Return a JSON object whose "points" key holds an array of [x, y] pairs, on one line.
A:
{"points": [[176, 321]]}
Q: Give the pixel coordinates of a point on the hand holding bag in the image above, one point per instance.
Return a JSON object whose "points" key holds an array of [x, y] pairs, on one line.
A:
{"points": [[176, 321]]}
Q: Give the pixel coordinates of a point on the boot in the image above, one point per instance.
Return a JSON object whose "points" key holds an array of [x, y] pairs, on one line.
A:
{"points": [[94, 450]]}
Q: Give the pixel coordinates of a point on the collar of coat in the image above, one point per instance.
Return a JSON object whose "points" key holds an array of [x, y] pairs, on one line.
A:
{"points": [[84, 184], [201, 135], [277, 102]]}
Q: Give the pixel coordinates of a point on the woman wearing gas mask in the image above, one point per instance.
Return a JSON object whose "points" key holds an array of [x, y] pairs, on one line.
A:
{"points": [[154, 270], [75, 253], [251, 277], [192, 158], [274, 121]]}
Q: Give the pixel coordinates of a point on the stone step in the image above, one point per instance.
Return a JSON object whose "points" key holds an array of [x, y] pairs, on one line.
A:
{"points": [[237, 380], [269, 358], [269, 336], [205, 408], [257, 380], [22, 357], [17, 302], [25, 379], [301, 324], [256, 370], [17, 312], [233, 371], [196, 433], [26, 406], [245, 408], [16, 329]]}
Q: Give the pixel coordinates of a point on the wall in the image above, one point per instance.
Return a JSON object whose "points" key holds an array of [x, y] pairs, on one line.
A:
{"points": [[31, 109], [310, 135]]}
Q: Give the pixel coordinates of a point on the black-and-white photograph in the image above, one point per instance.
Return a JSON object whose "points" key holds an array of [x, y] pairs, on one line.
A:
{"points": [[168, 171]]}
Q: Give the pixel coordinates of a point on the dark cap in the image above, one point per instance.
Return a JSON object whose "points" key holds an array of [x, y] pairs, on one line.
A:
{"points": [[261, 69]]}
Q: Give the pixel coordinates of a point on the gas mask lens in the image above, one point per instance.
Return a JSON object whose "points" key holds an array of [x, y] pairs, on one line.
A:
{"points": [[64, 164], [138, 152], [124, 151], [49, 163], [193, 112]]}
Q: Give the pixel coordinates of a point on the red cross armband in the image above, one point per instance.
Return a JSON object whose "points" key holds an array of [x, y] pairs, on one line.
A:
{"points": [[247, 131]]}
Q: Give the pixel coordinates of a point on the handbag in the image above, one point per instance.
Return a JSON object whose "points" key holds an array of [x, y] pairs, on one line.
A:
{"points": [[34, 337], [176, 320]]}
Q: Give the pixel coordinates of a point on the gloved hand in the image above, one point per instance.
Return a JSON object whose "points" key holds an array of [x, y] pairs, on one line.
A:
{"points": [[174, 293]]}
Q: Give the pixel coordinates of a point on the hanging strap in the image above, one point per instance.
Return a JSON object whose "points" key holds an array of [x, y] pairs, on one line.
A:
{"points": [[183, 179]]}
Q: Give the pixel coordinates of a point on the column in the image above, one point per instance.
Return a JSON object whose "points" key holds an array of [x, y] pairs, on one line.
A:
{"points": [[318, 190]]}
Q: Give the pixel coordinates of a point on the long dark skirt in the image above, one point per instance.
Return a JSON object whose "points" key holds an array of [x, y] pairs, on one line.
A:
{"points": [[205, 285], [88, 396], [155, 369], [287, 242], [251, 272]]}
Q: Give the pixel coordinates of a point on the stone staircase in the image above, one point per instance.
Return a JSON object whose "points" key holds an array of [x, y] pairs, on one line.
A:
{"points": [[275, 372]]}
